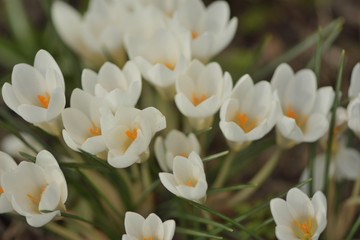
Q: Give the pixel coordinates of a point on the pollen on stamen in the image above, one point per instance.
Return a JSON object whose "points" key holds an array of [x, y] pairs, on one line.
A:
{"points": [[306, 228], [44, 100], [189, 184], [132, 135], [1, 190], [196, 100], [33, 198], [169, 66], [194, 35], [291, 114], [242, 121], [94, 131]]}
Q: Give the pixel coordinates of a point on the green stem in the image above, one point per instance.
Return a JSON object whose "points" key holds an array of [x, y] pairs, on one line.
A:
{"points": [[221, 177], [258, 179], [354, 229], [311, 158]]}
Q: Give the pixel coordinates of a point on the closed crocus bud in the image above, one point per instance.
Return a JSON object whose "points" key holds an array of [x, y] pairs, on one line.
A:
{"points": [[151, 228], [161, 59], [304, 107], [37, 190], [200, 91], [82, 123], [299, 217], [251, 112], [37, 92], [128, 134], [118, 88], [175, 143], [210, 27], [188, 179], [353, 108], [7, 164]]}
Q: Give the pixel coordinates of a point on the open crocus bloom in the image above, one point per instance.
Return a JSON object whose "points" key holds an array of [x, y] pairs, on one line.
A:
{"points": [[200, 91], [151, 228], [175, 144], [7, 164], [249, 113], [37, 93], [354, 105], [98, 33], [304, 108], [36, 187], [299, 217], [118, 88], [210, 27], [128, 134], [161, 59], [82, 123], [188, 179]]}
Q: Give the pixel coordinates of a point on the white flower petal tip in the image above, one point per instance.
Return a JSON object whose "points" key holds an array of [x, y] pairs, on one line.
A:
{"points": [[250, 112], [137, 227], [175, 143], [304, 107], [188, 179], [35, 187], [299, 217], [354, 88], [200, 91], [7, 164], [127, 135], [353, 110], [37, 93]]}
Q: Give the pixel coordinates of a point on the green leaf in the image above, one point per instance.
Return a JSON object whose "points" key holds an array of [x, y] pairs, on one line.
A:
{"points": [[202, 220], [196, 233], [215, 156], [197, 133], [231, 188], [354, 229], [28, 156]]}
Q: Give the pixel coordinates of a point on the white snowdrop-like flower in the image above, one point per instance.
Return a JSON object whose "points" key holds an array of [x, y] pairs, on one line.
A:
{"points": [[37, 93], [304, 107], [7, 164], [299, 217], [353, 108], [345, 164], [251, 112], [98, 33], [161, 59], [151, 228], [36, 187], [175, 143], [128, 134], [82, 123], [200, 91], [210, 26], [117, 87], [188, 179]]}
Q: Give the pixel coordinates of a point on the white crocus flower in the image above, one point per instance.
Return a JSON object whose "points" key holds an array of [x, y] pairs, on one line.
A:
{"points": [[304, 107], [82, 123], [345, 164], [95, 35], [117, 87], [13, 145], [249, 113], [200, 91], [161, 59], [151, 228], [209, 26], [188, 179], [299, 218], [34, 188], [7, 164], [354, 105], [37, 93], [175, 143], [128, 134]]}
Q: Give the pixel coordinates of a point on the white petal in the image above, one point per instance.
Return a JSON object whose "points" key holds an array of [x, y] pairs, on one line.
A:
{"points": [[133, 224], [281, 78], [88, 81], [354, 88], [39, 220], [169, 182], [32, 114], [153, 227], [9, 97], [324, 100], [122, 161], [289, 129], [56, 104], [285, 233], [50, 198], [316, 127], [299, 204], [43, 61], [169, 229], [5, 204], [280, 212], [94, 145], [45, 159]]}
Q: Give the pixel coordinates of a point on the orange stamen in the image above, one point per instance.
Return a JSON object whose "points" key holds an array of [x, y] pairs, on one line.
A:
{"points": [[291, 114], [44, 100], [197, 101], [305, 228], [95, 131], [182, 154], [132, 135], [194, 35], [242, 121], [150, 238], [168, 65], [1, 190], [190, 184], [33, 198]]}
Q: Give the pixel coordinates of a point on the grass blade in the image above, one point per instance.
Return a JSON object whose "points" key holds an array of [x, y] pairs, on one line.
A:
{"points": [[196, 233], [215, 156], [203, 220], [231, 188]]}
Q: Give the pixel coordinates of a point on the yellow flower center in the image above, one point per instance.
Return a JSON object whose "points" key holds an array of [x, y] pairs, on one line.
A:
{"points": [[242, 121], [197, 100], [44, 100], [306, 228], [169, 66], [291, 114], [37, 200], [191, 184], [94, 131], [194, 35], [131, 134]]}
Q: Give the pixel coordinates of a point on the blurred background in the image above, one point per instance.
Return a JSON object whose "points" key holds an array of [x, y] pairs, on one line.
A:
{"points": [[266, 31]]}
